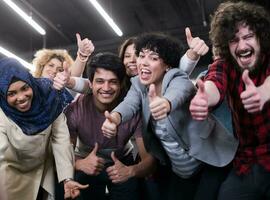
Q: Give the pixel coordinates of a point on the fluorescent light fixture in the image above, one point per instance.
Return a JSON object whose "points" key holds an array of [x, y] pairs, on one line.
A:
{"points": [[27, 18], [11, 55], [108, 19]]}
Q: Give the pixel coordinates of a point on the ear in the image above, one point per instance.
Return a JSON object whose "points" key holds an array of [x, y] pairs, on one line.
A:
{"points": [[90, 84]]}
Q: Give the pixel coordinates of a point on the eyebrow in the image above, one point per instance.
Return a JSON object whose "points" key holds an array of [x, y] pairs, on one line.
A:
{"points": [[9, 91]]}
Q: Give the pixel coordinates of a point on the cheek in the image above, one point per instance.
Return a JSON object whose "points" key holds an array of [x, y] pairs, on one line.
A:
{"points": [[11, 100]]}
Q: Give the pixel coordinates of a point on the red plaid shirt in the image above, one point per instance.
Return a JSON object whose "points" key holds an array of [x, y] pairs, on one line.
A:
{"points": [[252, 130]]}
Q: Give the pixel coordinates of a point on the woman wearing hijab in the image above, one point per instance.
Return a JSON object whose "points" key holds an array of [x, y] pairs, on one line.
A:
{"points": [[33, 135]]}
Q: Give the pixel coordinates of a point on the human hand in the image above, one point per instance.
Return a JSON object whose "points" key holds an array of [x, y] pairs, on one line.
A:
{"points": [[197, 46], [253, 98], [72, 189], [92, 164], [159, 106], [85, 46], [118, 173], [109, 126], [62, 78], [199, 104]]}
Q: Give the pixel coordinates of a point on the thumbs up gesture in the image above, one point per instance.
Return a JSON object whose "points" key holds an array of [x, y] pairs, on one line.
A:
{"points": [[253, 98], [109, 126], [197, 46], [85, 46], [159, 106], [119, 172], [199, 104], [62, 79], [92, 164]]}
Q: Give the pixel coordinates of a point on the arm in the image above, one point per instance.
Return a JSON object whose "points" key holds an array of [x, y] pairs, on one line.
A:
{"points": [[120, 173], [197, 48], [85, 49]]}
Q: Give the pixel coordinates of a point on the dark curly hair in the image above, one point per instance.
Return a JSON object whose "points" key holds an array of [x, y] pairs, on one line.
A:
{"points": [[167, 47], [226, 19]]}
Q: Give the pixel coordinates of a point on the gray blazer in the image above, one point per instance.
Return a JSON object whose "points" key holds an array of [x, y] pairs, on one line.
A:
{"points": [[207, 141]]}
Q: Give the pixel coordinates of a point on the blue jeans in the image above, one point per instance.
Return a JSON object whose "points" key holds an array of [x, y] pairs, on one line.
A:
{"points": [[253, 186], [97, 184]]}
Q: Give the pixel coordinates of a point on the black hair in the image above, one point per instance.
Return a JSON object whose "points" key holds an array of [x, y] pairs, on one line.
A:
{"points": [[107, 61], [167, 47]]}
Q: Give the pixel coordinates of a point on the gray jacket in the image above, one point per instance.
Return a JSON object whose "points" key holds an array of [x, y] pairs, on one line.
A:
{"points": [[207, 141]]}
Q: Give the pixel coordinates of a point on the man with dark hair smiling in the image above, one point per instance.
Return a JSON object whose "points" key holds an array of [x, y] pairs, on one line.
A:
{"points": [[101, 161]]}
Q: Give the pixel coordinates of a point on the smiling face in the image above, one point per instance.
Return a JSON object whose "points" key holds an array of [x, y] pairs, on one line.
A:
{"points": [[20, 96], [245, 48], [151, 68], [52, 68], [130, 61], [105, 87]]}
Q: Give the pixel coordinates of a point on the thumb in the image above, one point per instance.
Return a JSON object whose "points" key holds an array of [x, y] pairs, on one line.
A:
{"points": [[95, 149], [108, 116], [114, 157], [201, 89], [66, 67], [188, 36], [245, 77], [152, 92], [78, 36]]}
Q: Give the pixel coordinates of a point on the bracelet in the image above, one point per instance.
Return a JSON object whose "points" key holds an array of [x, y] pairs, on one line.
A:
{"points": [[81, 57], [67, 180], [83, 54]]}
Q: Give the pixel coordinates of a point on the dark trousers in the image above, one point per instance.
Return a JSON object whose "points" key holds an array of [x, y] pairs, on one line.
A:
{"points": [[252, 186], [97, 184], [204, 185]]}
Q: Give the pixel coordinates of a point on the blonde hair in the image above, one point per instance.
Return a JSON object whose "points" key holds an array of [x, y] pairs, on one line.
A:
{"points": [[43, 56]]}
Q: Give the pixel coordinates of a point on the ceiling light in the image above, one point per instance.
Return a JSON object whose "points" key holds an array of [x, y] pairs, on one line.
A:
{"points": [[27, 18], [11, 55], [108, 19]]}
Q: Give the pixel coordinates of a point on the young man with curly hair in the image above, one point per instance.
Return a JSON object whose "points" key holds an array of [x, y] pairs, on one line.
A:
{"points": [[240, 32]]}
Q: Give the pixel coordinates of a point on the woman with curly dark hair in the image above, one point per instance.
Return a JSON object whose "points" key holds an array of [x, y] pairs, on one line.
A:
{"points": [[240, 32]]}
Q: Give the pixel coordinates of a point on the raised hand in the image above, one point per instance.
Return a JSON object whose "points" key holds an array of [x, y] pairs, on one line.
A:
{"points": [[197, 46], [62, 78], [109, 126], [72, 189], [159, 106], [85, 46], [199, 104], [119, 172], [92, 164], [253, 98]]}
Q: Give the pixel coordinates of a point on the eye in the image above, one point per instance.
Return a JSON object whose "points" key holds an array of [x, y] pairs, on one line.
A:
{"points": [[60, 69], [25, 87], [11, 94]]}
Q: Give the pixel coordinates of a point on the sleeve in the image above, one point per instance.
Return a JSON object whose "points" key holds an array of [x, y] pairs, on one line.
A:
{"points": [[62, 149], [137, 125], [131, 104], [187, 65], [3, 140], [179, 90], [218, 74], [71, 116]]}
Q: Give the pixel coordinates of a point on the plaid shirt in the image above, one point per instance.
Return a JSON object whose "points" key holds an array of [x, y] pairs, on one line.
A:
{"points": [[252, 129]]}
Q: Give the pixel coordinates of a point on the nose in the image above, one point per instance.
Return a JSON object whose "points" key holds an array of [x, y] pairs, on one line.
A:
{"points": [[20, 97], [106, 86], [242, 44], [133, 58]]}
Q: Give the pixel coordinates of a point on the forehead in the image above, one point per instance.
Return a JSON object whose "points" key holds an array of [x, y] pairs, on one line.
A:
{"points": [[148, 51], [104, 74], [16, 85], [55, 61], [242, 29], [130, 48]]}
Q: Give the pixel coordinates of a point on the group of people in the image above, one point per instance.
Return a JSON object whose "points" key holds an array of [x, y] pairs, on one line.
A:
{"points": [[140, 120]]}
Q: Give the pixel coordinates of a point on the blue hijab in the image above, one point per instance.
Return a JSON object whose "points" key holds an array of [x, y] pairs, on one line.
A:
{"points": [[47, 103]]}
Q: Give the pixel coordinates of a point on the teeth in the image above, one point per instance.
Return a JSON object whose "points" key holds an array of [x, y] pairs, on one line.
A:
{"points": [[145, 71], [245, 54]]}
